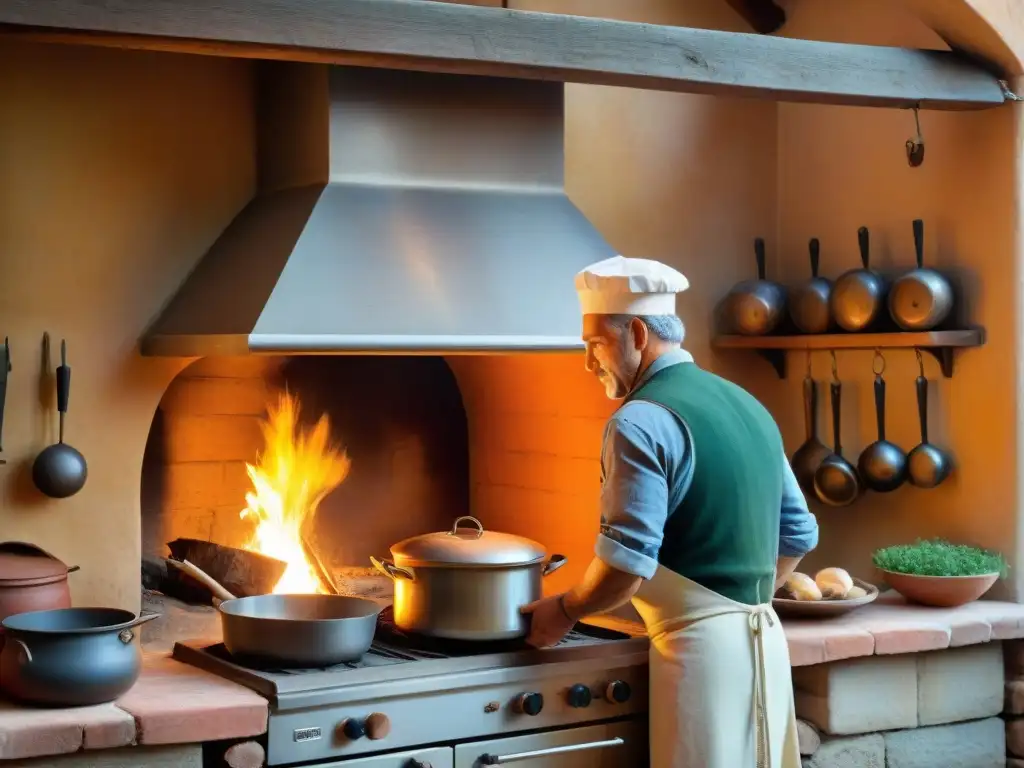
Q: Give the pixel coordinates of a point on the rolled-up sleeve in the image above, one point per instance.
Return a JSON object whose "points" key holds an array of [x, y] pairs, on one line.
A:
{"points": [[634, 499], [798, 528]]}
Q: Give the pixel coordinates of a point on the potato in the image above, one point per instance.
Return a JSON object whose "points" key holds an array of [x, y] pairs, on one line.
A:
{"points": [[834, 583], [802, 587], [856, 592]]}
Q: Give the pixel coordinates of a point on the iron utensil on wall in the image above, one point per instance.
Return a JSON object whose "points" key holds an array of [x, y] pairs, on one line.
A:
{"points": [[808, 302], [883, 464], [755, 307], [808, 457], [921, 299], [70, 657], [836, 482], [928, 464], [858, 295], [5, 369], [60, 470]]}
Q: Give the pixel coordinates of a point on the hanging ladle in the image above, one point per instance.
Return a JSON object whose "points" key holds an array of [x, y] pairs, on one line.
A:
{"points": [[928, 464], [59, 470], [882, 465], [808, 457], [836, 482]]}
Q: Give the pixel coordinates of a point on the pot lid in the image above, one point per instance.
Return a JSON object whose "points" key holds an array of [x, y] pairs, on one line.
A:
{"points": [[23, 564], [470, 545]]}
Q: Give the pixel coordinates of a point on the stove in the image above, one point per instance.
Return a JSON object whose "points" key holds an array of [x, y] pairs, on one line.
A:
{"points": [[417, 702]]}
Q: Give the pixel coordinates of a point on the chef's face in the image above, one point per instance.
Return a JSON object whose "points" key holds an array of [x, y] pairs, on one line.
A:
{"points": [[614, 353]]}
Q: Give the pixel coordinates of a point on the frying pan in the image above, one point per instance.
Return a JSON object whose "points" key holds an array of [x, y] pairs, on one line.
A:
{"points": [[836, 482], [59, 470], [922, 298], [808, 457], [808, 303], [859, 294], [755, 307], [882, 465]]}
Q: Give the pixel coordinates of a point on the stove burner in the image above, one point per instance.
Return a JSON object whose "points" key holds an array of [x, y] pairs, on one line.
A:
{"points": [[392, 645]]}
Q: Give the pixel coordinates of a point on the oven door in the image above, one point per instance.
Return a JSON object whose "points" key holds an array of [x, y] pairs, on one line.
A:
{"points": [[612, 745], [439, 757]]}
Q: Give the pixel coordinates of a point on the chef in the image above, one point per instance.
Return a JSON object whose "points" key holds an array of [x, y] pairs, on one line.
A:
{"points": [[701, 518]]}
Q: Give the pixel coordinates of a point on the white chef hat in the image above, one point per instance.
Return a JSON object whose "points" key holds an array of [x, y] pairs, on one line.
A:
{"points": [[621, 286]]}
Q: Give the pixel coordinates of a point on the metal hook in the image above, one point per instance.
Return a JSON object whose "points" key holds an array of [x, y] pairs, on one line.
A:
{"points": [[915, 146], [920, 362], [878, 363], [835, 366]]}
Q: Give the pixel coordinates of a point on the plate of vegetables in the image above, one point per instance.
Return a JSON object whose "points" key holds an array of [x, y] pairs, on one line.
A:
{"points": [[831, 592]]}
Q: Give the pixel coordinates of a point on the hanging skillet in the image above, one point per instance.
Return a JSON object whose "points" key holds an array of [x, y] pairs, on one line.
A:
{"points": [[923, 298], [808, 303], [928, 464], [808, 457], [858, 295], [882, 465], [59, 470], [836, 482]]}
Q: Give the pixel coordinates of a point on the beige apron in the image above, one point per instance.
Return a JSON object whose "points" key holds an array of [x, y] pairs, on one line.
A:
{"points": [[721, 684]]}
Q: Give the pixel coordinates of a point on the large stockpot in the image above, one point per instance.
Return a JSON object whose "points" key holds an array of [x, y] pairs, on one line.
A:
{"points": [[70, 657], [467, 583]]}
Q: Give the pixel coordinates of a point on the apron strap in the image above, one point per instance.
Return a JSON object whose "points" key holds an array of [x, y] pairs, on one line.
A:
{"points": [[758, 616]]}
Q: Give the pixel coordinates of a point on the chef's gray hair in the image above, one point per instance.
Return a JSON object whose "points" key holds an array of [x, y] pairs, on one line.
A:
{"points": [[668, 328]]}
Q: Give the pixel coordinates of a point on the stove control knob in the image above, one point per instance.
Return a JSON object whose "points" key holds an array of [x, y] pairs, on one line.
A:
{"points": [[579, 696], [617, 692], [378, 725], [530, 703], [353, 729]]}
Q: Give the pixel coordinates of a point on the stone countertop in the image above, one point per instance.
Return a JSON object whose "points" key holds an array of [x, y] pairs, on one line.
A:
{"points": [[172, 703], [887, 626]]}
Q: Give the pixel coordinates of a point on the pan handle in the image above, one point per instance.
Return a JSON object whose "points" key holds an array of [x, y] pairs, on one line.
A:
{"points": [[392, 571], [553, 564]]}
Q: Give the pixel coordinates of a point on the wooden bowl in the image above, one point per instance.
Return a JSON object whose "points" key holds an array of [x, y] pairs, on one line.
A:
{"points": [[820, 609], [940, 591]]}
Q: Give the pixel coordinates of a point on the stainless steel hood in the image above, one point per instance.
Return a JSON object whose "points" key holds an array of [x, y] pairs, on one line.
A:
{"points": [[403, 212]]}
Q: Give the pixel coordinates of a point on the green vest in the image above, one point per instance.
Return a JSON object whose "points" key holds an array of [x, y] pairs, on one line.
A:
{"points": [[724, 535]]}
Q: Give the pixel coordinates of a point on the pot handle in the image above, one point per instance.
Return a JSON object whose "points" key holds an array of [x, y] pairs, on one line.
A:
{"points": [[126, 635], [391, 570], [553, 564], [25, 652], [476, 523]]}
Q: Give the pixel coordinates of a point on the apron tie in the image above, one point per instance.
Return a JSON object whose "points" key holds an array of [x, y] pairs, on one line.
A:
{"points": [[757, 618]]}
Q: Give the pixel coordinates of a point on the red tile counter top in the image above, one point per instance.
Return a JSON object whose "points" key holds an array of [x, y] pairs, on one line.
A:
{"points": [[172, 703]]}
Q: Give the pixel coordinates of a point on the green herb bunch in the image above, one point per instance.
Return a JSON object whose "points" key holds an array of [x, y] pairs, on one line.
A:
{"points": [[939, 558]]}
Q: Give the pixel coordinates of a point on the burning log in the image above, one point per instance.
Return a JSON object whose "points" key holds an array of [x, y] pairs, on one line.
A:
{"points": [[239, 571]]}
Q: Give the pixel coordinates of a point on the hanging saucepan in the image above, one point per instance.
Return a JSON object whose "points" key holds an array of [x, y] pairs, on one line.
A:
{"points": [[70, 657], [808, 302], [836, 482], [928, 464], [755, 307], [467, 583], [59, 470], [883, 464], [808, 457], [858, 295], [5, 369], [921, 299]]}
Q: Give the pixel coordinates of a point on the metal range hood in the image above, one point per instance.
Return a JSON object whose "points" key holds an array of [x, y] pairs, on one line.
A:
{"points": [[398, 212]]}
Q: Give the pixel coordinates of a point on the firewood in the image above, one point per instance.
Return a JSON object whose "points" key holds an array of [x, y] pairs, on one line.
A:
{"points": [[239, 571]]}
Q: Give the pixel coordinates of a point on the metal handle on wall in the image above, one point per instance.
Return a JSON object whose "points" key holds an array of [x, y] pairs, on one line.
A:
{"points": [[519, 756]]}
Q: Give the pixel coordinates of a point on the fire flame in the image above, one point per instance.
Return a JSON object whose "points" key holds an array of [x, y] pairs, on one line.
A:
{"points": [[296, 470]]}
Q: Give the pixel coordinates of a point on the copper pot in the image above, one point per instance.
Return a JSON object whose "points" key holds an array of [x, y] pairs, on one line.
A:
{"points": [[31, 579]]}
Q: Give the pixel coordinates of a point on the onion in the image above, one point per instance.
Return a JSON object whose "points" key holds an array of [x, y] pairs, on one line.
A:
{"points": [[802, 587], [834, 583]]}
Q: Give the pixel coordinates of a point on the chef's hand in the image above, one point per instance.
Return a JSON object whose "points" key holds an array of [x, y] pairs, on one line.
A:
{"points": [[549, 623]]}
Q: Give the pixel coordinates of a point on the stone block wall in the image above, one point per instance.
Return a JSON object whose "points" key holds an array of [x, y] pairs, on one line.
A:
{"points": [[929, 710], [1013, 709]]}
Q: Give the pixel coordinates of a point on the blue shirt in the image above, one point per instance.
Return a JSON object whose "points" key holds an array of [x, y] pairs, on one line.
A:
{"points": [[646, 469]]}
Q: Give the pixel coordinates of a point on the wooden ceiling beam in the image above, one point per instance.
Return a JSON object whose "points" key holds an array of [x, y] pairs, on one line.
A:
{"points": [[763, 16], [465, 39]]}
